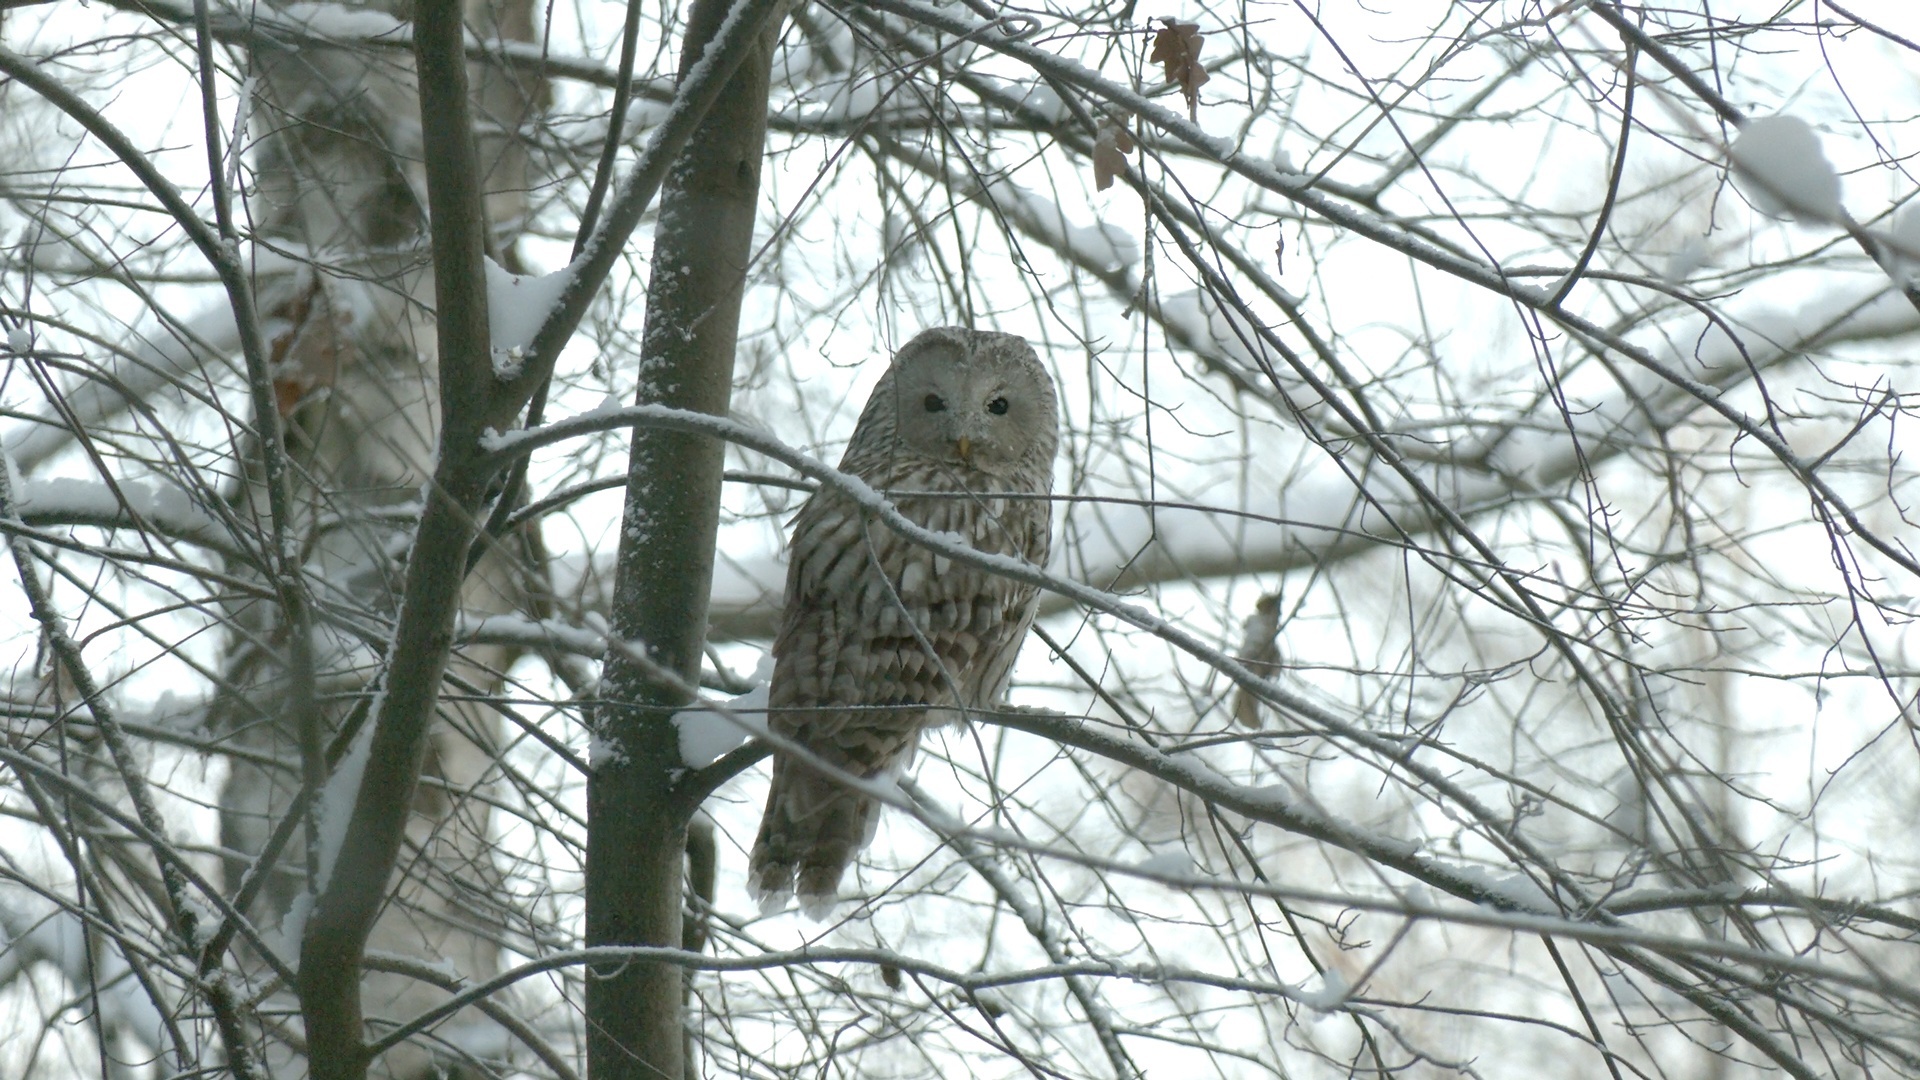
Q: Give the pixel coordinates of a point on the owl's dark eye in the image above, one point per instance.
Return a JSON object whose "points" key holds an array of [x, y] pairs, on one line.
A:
{"points": [[998, 406], [935, 403]]}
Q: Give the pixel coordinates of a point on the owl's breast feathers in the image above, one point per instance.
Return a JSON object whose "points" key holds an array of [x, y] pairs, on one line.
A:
{"points": [[875, 621]]}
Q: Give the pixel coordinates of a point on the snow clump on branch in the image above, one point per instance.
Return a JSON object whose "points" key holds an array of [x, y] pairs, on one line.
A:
{"points": [[1783, 172]]}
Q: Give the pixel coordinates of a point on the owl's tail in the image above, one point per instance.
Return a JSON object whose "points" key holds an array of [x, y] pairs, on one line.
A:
{"points": [[809, 834]]}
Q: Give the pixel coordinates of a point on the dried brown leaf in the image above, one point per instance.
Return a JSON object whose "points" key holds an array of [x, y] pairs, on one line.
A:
{"points": [[305, 355], [1176, 47], [1112, 143]]}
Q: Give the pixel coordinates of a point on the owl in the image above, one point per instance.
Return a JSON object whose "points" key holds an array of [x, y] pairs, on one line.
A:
{"points": [[881, 638]]}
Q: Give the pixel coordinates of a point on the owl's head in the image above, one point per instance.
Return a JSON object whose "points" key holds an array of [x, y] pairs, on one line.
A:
{"points": [[973, 399]]}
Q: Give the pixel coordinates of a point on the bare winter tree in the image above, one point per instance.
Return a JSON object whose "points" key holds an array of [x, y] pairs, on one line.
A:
{"points": [[1475, 639]]}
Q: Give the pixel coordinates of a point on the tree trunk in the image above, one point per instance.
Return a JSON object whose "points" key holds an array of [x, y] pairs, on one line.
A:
{"points": [[637, 818], [357, 381]]}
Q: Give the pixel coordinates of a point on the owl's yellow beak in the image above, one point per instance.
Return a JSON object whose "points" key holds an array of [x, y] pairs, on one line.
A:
{"points": [[965, 446]]}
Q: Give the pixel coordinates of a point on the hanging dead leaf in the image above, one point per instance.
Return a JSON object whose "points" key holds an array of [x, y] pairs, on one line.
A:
{"points": [[305, 352], [1112, 144], [1176, 47]]}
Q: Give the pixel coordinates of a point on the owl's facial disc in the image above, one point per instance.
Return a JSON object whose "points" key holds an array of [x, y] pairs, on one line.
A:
{"points": [[963, 407]]}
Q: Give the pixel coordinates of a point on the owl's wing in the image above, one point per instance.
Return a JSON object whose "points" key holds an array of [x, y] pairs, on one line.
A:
{"points": [[808, 652], [874, 619], [824, 658], [1022, 528], [877, 630]]}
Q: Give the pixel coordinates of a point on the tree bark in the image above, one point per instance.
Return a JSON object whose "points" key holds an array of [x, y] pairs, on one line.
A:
{"points": [[638, 817], [348, 903], [343, 176]]}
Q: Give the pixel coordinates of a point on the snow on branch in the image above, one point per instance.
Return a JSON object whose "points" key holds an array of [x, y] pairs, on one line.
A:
{"points": [[519, 630], [157, 361], [1546, 447], [517, 306], [1102, 246], [710, 731], [161, 509], [332, 24], [1785, 173]]}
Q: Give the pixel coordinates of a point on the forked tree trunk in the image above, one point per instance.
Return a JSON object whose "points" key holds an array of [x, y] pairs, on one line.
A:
{"points": [[637, 824]]}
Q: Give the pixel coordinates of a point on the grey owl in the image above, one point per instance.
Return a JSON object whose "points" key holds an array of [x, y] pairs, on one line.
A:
{"points": [[882, 638]]}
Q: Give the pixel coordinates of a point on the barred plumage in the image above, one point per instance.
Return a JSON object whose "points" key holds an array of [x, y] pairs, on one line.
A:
{"points": [[883, 638]]}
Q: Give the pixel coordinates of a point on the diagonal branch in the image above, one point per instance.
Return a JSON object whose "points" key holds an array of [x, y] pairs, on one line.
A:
{"points": [[700, 86]]}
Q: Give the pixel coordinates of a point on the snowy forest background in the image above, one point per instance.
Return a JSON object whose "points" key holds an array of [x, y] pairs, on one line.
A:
{"points": [[1478, 639]]}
